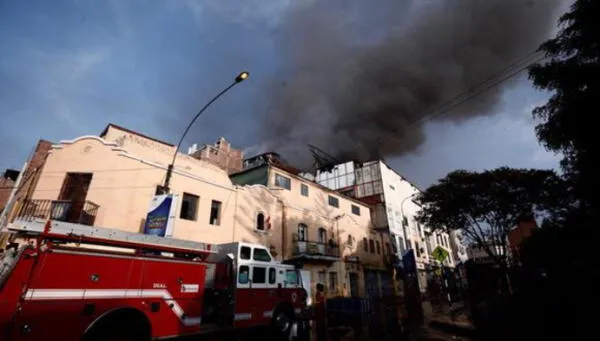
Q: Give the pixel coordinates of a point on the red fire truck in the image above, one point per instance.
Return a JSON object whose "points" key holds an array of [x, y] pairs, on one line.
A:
{"points": [[74, 282]]}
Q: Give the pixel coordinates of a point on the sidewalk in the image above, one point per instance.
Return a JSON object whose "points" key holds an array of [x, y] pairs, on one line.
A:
{"points": [[448, 323]]}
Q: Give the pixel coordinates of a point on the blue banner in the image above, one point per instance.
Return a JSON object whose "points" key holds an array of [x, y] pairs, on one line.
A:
{"points": [[158, 218], [410, 268]]}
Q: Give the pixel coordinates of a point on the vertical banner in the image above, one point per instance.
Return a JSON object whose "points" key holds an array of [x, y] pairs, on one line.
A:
{"points": [[161, 215], [412, 297]]}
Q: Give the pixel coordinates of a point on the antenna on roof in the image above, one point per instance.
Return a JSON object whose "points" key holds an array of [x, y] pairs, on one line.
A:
{"points": [[322, 160]]}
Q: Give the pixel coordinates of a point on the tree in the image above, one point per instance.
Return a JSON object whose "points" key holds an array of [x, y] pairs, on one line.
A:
{"points": [[567, 121], [485, 206]]}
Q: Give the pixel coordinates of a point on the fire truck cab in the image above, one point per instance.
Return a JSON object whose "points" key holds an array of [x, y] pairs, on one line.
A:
{"points": [[73, 282], [265, 291]]}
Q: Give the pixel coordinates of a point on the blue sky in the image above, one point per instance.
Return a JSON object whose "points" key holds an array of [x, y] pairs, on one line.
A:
{"points": [[67, 68]]}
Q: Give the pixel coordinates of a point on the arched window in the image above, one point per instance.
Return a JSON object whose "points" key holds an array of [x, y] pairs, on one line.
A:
{"points": [[260, 221], [322, 235], [302, 232], [350, 240]]}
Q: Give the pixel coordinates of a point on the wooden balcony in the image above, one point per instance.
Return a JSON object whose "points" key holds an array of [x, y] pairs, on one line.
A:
{"points": [[315, 252]]}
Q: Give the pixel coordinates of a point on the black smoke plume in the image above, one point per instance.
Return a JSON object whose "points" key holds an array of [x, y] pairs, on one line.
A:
{"points": [[359, 77]]}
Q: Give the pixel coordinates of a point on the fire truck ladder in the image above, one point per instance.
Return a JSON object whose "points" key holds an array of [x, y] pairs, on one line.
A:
{"points": [[34, 227]]}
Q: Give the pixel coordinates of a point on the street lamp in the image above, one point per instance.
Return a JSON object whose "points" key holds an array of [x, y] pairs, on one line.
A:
{"points": [[239, 78]]}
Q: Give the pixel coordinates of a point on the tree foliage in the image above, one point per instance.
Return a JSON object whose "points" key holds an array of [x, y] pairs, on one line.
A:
{"points": [[567, 121], [485, 206]]}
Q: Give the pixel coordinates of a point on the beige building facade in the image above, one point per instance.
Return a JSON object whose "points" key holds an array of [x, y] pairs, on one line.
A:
{"points": [[109, 181]]}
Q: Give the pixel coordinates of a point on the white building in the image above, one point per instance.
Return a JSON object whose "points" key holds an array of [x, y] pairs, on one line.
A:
{"points": [[480, 255], [393, 210]]}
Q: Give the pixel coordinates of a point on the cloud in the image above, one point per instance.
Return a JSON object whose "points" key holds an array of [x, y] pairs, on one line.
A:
{"points": [[245, 12], [61, 77]]}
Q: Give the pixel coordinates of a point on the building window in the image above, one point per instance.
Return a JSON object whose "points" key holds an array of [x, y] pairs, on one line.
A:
{"points": [[244, 274], [355, 210], [189, 207], [401, 245], [260, 222], [371, 246], [392, 188], [350, 240], [304, 190], [283, 182], [333, 201], [321, 277], [322, 235], [394, 244], [333, 281], [272, 276], [245, 252], [417, 249], [302, 232], [259, 275], [215, 213], [261, 255], [378, 247], [387, 248], [365, 245]]}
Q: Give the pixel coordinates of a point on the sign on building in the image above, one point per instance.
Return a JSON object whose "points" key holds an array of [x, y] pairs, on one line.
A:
{"points": [[161, 215]]}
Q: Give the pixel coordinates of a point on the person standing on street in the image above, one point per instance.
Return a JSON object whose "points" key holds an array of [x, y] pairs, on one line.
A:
{"points": [[320, 313]]}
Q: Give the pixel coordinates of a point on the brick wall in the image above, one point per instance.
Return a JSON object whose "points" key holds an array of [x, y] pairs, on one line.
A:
{"points": [[5, 189], [222, 155], [30, 176], [517, 235]]}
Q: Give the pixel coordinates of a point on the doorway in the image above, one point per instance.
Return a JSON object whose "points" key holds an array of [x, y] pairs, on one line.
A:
{"points": [[353, 284], [73, 195]]}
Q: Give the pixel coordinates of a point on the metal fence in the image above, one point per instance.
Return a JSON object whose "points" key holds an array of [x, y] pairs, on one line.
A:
{"points": [[81, 212], [372, 317]]}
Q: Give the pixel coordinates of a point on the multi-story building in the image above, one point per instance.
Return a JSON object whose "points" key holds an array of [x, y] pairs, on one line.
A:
{"points": [[479, 254], [110, 180], [220, 154], [393, 209], [332, 235]]}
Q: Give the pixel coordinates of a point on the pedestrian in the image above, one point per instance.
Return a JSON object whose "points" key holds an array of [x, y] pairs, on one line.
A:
{"points": [[320, 313]]}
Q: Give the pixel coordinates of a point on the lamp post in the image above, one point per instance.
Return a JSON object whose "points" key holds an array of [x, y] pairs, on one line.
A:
{"points": [[241, 77]]}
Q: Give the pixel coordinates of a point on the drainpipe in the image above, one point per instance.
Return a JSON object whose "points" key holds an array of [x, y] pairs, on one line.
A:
{"points": [[235, 213], [283, 230]]}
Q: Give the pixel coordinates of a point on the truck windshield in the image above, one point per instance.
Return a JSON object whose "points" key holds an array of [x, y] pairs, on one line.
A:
{"points": [[291, 277]]}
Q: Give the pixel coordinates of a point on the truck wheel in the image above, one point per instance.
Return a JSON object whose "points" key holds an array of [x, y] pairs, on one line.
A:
{"points": [[123, 325], [114, 334], [282, 322]]}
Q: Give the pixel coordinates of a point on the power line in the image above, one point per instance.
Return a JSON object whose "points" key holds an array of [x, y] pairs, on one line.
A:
{"points": [[517, 63], [521, 64]]}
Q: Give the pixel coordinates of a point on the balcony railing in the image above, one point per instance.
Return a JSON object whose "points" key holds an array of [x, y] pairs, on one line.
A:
{"points": [[80, 212], [316, 250]]}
